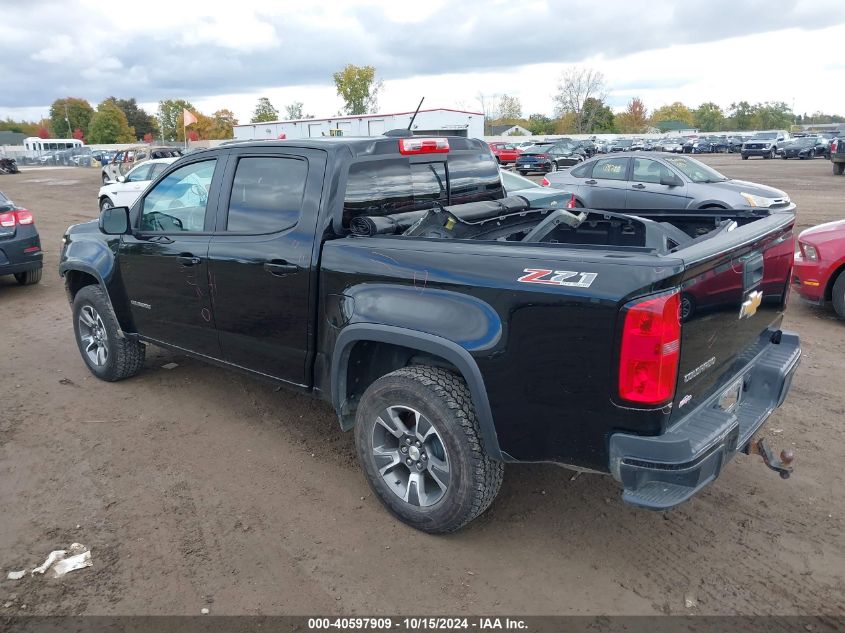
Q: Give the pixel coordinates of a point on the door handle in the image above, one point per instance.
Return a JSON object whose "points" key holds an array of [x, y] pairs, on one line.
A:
{"points": [[186, 259], [638, 186], [590, 182], [280, 268]]}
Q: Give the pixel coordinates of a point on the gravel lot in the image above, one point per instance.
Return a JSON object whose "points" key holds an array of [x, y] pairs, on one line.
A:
{"points": [[200, 488]]}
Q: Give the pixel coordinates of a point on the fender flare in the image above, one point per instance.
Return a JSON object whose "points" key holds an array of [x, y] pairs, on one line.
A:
{"points": [[424, 342]]}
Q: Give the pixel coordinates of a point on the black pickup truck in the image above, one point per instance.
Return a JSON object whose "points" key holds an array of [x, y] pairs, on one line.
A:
{"points": [[837, 155], [453, 328]]}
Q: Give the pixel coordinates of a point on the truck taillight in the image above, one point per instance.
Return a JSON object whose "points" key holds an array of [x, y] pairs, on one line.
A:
{"points": [[409, 146], [833, 146], [651, 349], [11, 218]]}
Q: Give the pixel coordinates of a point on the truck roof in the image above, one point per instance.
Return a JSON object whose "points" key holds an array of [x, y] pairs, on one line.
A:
{"points": [[358, 145]]}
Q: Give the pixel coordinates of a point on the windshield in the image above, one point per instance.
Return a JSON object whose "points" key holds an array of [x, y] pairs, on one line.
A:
{"points": [[695, 170], [623, 142], [513, 182], [766, 135], [804, 142]]}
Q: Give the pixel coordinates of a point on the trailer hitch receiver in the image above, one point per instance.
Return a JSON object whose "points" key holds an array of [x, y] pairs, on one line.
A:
{"points": [[782, 466]]}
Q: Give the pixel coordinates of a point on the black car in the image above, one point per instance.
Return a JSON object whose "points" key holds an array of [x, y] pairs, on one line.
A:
{"points": [[20, 246], [550, 156], [803, 148]]}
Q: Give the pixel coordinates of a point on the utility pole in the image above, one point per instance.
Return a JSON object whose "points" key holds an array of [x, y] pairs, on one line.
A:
{"points": [[67, 119]]}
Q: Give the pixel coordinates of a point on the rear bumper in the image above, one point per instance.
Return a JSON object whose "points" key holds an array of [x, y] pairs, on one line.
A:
{"points": [[14, 257], [660, 472]]}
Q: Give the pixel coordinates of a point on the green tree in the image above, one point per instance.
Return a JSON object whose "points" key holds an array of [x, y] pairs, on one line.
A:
{"points": [[709, 117], [597, 116], [510, 108], [170, 118], [295, 110], [741, 115], [30, 128], [358, 87], [264, 111], [143, 122], [223, 122], [541, 124], [676, 111], [772, 116], [68, 114], [109, 125], [635, 118]]}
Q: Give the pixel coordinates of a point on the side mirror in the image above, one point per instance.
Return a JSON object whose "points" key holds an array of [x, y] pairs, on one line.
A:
{"points": [[121, 179], [115, 221], [670, 180]]}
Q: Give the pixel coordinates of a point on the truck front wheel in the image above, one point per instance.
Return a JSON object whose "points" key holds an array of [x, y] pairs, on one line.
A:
{"points": [[108, 354], [419, 443]]}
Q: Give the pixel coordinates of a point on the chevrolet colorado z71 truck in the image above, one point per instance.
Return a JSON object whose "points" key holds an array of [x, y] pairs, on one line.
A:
{"points": [[453, 328]]}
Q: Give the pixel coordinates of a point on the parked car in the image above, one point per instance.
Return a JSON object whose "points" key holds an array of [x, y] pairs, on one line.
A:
{"points": [[735, 142], [803, 148], [620, 145], [663, 181], [763, 144], [537, 195], [637, 144], [504, 152], [671, 145], [126, 159], [548, 157], [819, 269], [433, 318], [126, 189], [20, 245], [603, 146], [589, 146]]}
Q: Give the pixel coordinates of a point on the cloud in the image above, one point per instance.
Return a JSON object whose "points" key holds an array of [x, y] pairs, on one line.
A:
{"points": [[166, 49]]}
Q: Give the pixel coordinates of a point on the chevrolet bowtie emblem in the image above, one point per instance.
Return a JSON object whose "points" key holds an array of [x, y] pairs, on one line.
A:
{"points": [[750, 305]]}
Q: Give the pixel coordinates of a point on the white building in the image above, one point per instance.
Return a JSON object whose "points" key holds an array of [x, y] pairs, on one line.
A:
{"points": [[435, 122]]}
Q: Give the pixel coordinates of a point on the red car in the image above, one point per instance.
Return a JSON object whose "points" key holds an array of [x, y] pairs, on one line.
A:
{"points": [[819, 260], [504, 152]]}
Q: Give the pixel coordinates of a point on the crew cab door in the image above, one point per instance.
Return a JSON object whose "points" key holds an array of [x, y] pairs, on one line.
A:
{"points": [[645, 190], [163, 264], [260, 259]]}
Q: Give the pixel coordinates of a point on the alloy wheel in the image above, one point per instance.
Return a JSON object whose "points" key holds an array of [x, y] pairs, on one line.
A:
{"points": [[410, 456], [92, 333]]}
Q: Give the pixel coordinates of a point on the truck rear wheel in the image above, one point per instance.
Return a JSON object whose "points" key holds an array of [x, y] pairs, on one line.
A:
{"points": [[419, 443], [108, 355], [838, 169]]}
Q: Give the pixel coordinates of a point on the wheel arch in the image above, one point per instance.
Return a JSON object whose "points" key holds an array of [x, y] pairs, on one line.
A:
{"points": [[831, 281], [386, 348]]}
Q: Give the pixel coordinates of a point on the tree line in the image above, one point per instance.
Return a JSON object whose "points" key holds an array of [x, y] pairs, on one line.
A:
{"points": [[580, 107]]}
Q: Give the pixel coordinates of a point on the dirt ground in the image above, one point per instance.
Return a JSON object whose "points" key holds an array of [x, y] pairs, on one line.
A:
{"points": [[199, 488]]}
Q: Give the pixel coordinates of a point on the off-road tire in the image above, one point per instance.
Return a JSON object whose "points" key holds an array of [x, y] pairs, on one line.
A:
{"points": [[125, 355], [29, 277], [444, 398], [837, 295], [838, 169]]}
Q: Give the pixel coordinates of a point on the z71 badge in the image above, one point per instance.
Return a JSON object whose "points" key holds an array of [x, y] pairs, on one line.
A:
{"points": [[557, 277]]}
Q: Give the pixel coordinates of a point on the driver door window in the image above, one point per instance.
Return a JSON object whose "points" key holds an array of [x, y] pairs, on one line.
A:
{"points": [[178, 202]]}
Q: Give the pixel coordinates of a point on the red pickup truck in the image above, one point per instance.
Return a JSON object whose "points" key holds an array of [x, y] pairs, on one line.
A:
{"points": [[504, 152]]}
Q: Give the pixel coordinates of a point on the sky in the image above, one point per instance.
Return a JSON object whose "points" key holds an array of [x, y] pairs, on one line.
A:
{"points": [[226, 55]]}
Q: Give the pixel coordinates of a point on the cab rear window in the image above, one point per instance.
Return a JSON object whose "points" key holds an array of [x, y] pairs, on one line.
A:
{"points": [[396, 185]]}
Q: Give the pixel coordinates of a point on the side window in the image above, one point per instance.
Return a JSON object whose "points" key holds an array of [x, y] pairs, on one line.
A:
{"points": [[156, 169], [610, 168], [177, 203], [142, 173], [646, 170], [266, 194], [582, 170]]}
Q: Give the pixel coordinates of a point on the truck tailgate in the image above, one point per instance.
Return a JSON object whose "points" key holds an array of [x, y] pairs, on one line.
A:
{"points": [[733, 295]]}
